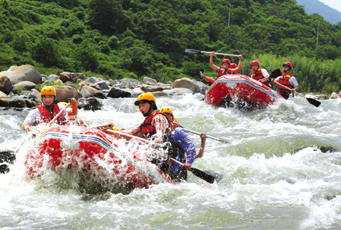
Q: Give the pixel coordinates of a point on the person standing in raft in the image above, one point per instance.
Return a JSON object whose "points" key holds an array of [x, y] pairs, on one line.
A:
{"points": [[286, 79], [221, 71], [48, 110], [260, 74]]}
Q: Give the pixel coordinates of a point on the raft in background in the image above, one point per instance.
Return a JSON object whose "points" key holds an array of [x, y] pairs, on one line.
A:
{"points": [[240, 91]]}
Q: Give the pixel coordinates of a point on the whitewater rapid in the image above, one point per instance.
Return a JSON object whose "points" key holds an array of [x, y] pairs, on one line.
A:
{"points": [[274, 176]]}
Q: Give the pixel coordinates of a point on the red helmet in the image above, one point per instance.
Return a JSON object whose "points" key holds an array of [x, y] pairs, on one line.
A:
{"points": [[226, 61], [255, 62], [233, 65], [287, 64]]}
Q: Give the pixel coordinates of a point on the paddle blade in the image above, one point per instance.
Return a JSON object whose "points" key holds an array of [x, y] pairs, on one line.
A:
{"points": [[276, 73], [206, 177], [192, 51], [217, 176], [313, 102]]}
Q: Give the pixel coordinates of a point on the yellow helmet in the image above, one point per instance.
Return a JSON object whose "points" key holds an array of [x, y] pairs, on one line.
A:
{"points": [[145, 97], [166, 109], [48, 90]]}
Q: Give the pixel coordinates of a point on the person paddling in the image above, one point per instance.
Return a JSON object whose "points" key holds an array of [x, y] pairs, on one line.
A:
{"points": [[221, 71], [48, 110], [260, 74], [286, 79]]}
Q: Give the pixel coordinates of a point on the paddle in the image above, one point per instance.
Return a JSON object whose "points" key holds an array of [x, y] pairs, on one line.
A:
{"points": [[310, 100], [208, 136], [207, 52], [201, 174], [276, 73], [58, 115]]}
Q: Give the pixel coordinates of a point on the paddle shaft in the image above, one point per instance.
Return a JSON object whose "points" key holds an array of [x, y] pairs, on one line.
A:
{"points": [[58, 115], [207, 52], [128, 135], [208, 136]]}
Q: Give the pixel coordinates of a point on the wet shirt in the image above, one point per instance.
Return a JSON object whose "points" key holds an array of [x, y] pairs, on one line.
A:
{"points": [[34, 116], [181, 135]]}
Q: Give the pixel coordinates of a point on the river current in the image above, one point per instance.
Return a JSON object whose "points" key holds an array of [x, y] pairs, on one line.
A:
{"points": [[275, 177]]}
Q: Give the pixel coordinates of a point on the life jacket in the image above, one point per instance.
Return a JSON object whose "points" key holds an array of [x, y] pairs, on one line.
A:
{"points": [[259, 75], [46, 116], [222, 71], [284, 80], [146, 127]]}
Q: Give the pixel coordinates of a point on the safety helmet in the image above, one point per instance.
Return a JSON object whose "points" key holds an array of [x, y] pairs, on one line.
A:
{"points": [[48, 90], [146, 97], [233, 65], [287, 64], [226, 61], [255, 62], [166, 109]]}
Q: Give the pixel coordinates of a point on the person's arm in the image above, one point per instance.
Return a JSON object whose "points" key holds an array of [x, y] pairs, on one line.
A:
{"points": [[239, 67], [74, 111], [209, 79], [31, 118], [189, 147], [294, 83], [214, 67], [266, 76], [26, 127], [200, 153], [161, 125]]}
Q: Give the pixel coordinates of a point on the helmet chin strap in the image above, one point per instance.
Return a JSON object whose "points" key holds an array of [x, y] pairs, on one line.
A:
{"points": [[149, 111]]}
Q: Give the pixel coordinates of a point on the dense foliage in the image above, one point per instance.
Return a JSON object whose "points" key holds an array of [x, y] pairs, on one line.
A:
{"points": [[136, 38]]}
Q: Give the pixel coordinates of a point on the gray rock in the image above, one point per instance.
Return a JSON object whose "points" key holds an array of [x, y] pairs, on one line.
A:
{"points": [[93, 80], [83, 83], [186, 83], [2, 94], [90, 103], [23, 73], [334, 96], [149, 81], [26, 84], [12, 102], [64, 93], [152, 88], [130, 83], [178, 91], [138, 90], [88, 91], [105, 91], [202, 87], [26, 93], [43, 78], [5, 85], [35, 95], [68, 76], [52, 77], [322, 97], [81, 76], [163, 84], [95, 86], [102, 85], [69, 83], [161, 94], [117, 93]]}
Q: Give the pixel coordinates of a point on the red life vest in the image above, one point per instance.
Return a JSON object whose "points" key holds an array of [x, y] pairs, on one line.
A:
{"points": [[222, 72], [46, 116], [284, 80], [259, 75], [146, 127]]}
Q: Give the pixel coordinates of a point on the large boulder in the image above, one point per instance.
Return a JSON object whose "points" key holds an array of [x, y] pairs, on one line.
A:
{"points": [[26, 84], [69, 83], [102, 85], [153, 88], [52, 77], [5, 85], [12, 102], [202, 87], [149, 81], [2, 94], [129, 83], [117, 93], [88, 91], [334, 96], [68, 76], [83, 83], [178, 91], [90, 103], [23, 73], [186, 83], [64, 93], [35, 95]]}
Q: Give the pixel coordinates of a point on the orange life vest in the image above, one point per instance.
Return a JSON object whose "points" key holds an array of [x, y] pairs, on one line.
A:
{"points": [[284, 80], [147, 129], [259, 75], [46, 116], [222, 71]]}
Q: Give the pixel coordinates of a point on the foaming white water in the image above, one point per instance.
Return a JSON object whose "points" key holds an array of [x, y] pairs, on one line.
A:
{"points": [[274, 177]]}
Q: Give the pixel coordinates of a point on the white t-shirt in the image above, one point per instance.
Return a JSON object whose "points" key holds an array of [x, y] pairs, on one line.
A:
{"points": [[292, 81], [34, 115], [264, 72]]}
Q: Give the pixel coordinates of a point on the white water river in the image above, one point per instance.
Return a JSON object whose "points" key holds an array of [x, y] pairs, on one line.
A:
{"points": [[273, 176]]}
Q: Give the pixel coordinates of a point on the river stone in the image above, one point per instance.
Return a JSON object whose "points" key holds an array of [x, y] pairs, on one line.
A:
{"points": [[93, 80], [163, 84], [152, 88], [43, 78], [2, 94], [149, 81], [95, 86], [117, 93], [322, 97], [161, 94], [35, 95], [138, 90], [334, 96], [81, 76], [129, 83], [90, 103], [23, 73], [69, 83], [83, 83], [88, 91], [52, 77], [186, 83], [178, 91], [102, 85], [68, 76], [64, 93], [26, 84], [12, 102], [202, 87], [5, 85]]}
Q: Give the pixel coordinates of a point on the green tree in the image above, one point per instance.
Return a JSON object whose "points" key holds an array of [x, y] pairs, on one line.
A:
{"points": [[86, 56]]}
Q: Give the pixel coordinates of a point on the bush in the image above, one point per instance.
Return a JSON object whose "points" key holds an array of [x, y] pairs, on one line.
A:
{"points": [[46, 51]]}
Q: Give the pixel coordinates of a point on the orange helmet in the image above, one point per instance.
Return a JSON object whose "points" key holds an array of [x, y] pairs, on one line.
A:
{"points": [[48, 90], [233, 65]]}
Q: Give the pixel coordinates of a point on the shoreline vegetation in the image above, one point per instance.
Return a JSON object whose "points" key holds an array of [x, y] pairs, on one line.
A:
{"points": [[114, 39]]}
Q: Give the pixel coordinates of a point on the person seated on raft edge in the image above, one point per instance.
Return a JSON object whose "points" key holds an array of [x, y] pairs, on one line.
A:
{"points": [[224, 70], [287, 80], [182, 147], [45, 112], [260, 74]]}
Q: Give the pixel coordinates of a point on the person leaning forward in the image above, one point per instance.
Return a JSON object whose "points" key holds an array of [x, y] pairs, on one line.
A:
{"points": [[260, 74], [45, 112], [286, 80]]}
